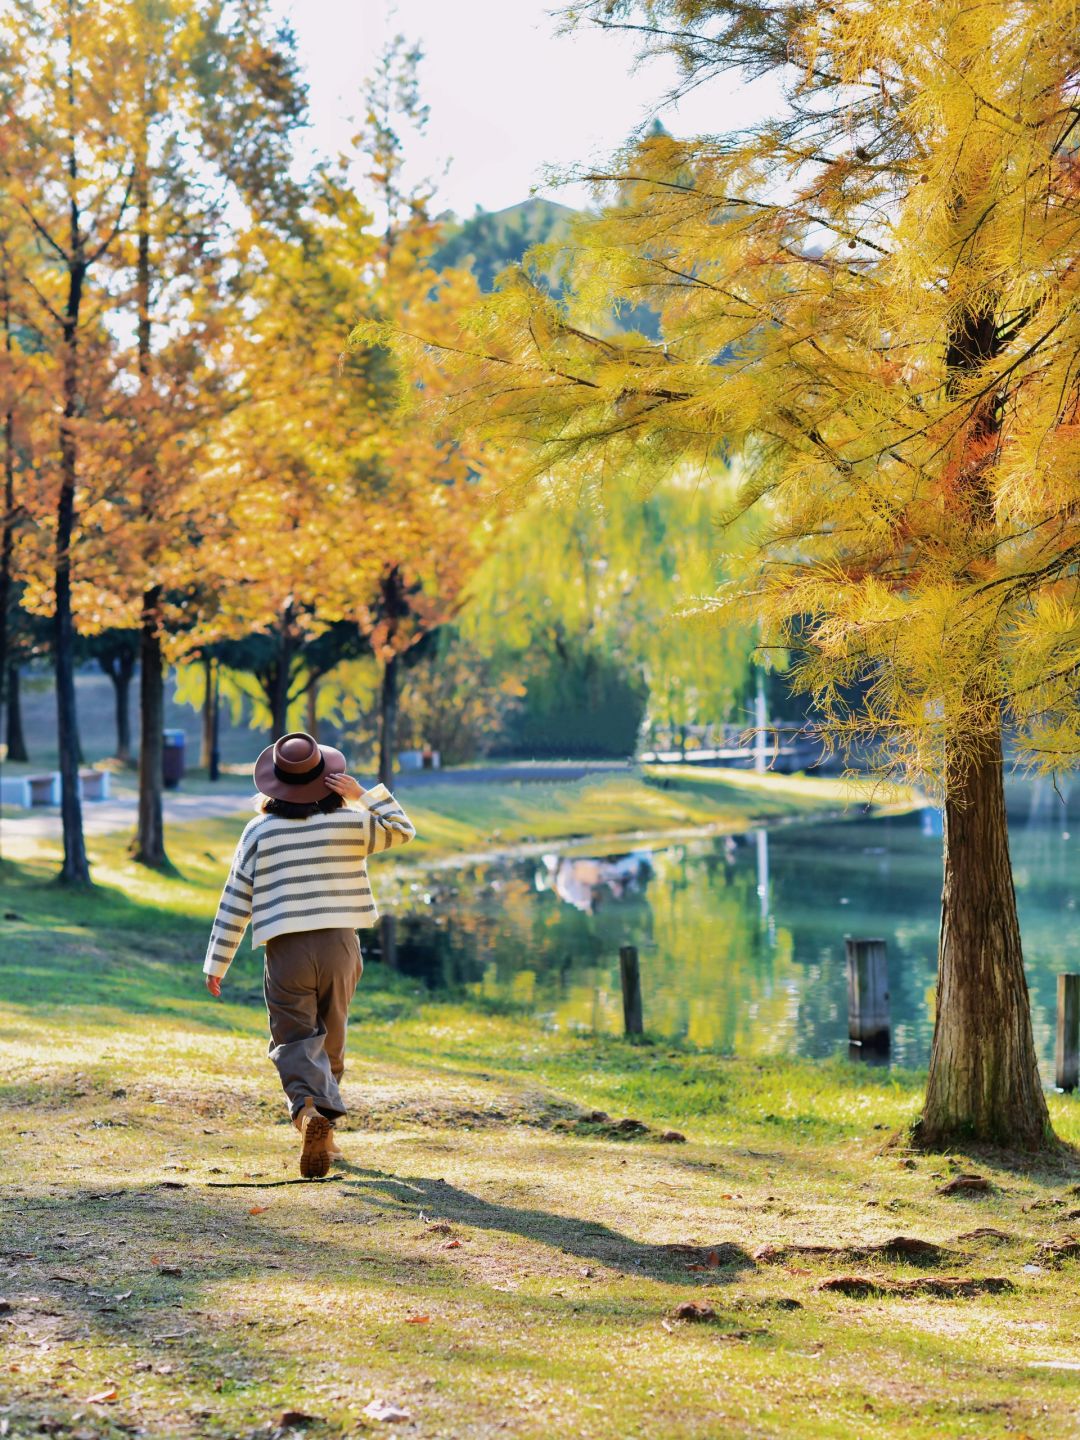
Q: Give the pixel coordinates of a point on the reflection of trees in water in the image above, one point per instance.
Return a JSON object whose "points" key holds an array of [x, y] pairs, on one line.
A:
{"points": [[716, 970]]}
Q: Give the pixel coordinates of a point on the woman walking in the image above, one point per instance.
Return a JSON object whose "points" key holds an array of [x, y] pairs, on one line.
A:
{"points": [[300, 876]]}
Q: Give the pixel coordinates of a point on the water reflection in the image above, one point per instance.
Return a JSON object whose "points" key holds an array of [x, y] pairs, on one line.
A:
{"points": [[582, 881], [741, 937]]}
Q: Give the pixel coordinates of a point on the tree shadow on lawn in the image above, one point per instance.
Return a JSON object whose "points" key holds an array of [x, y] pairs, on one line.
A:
{"points": [[135, 1279], [436, 1199], [186, 1357], [131, 1277]]}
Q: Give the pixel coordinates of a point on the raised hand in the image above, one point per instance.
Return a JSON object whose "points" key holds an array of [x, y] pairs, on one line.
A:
{"points": [[345, 786]]}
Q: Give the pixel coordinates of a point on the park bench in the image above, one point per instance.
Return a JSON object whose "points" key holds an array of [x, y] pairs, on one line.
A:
{"points": [[44, 789]]}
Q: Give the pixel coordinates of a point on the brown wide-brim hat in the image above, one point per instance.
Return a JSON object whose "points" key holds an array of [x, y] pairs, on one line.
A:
{"points": [[295, 768]]}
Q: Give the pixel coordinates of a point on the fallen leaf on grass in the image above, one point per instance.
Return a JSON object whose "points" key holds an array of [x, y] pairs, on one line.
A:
{"points": [[258, 1209], [417, 1319], [966, 1185], [102, 1397], [383, 1410]]}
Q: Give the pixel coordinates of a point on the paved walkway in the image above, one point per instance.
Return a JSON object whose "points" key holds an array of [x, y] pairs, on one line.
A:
{"points": [[103, 817]]}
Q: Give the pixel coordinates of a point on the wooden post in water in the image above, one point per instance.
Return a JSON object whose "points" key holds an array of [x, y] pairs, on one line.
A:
{"points": [[630, 975], [388, 940], [868, 994], [1068, 1032]]}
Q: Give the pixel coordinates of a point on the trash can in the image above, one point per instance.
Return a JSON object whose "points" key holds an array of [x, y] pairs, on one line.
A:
{"points": [[172, 758]]}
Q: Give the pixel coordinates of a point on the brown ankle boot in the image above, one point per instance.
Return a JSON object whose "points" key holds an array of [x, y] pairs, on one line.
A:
{"points": [[317, 1134]]}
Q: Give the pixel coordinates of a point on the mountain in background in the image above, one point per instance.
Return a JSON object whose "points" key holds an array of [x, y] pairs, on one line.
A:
{"points": [[492, 239]]}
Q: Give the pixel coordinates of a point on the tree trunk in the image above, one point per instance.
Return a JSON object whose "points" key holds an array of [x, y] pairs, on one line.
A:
{"points": [[148, 845], [388, 717], [984, 1079], [16, 739], [279, 702], [75, 869], [313, 709], [206, 741], [119, 665], [213, 770], [7, 544], [122, 692], [278, 687]]}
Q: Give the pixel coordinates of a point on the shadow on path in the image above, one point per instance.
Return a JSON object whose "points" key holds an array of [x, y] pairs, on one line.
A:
{"points": [[587, 1239]]}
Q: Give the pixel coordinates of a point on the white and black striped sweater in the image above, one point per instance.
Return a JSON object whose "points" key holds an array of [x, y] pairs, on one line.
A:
{"points": [[307, 874]]}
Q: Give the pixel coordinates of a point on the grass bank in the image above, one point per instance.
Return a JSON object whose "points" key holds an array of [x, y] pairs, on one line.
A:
{"points": [[511, 1245], [456, 819]]}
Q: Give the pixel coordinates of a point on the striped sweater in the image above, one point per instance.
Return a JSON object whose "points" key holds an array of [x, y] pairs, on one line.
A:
{"points": [[307, 874]]}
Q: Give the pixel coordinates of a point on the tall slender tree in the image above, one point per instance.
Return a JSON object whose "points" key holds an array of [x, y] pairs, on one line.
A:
{"points": [[67, 181], [428, 535], [194, 65]]}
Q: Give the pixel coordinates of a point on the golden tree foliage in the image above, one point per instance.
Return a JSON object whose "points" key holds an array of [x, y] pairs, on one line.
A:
{"points": [[875, 296], [872, 296]]}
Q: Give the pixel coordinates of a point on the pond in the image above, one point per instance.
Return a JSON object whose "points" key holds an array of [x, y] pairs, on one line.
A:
{"points": [[741, 937]]}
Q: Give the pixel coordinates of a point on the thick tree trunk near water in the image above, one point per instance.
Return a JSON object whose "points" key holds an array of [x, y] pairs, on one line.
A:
{"points": [[148, 844], [16, 736], [388, 718], [984, 1079]]}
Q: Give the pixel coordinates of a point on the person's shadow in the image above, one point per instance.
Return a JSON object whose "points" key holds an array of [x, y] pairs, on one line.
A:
{"points": [[719, 1263]]}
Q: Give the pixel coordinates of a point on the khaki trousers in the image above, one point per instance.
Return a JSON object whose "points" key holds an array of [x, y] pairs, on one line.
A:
{"points": [[309, 980]]}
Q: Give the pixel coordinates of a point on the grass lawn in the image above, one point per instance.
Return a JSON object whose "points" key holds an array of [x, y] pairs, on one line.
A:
{"points": [[455, 820], [495, 1257]]}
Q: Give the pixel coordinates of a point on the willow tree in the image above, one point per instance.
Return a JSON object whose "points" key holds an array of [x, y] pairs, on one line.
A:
{"points": [[873, 296]]}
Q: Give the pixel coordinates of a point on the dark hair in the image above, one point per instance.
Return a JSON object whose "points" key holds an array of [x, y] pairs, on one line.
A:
{"points": [[295, 810]]}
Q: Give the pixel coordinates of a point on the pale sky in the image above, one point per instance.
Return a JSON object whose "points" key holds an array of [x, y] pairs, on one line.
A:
{"points": [[508, 96]]}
